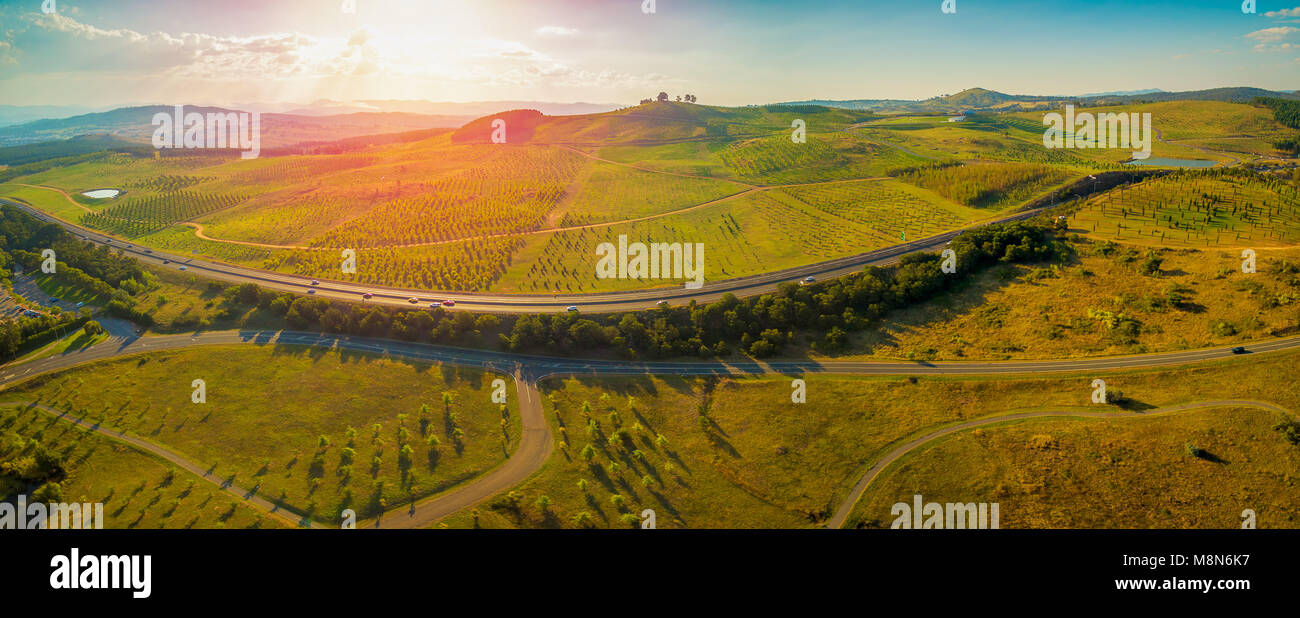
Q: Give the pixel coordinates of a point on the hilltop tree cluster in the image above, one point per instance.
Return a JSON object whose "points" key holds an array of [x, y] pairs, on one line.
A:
{"points": [[664, 98]]}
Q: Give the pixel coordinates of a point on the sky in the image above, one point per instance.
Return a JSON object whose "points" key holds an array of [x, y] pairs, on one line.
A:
{"points": [[103, 53]]}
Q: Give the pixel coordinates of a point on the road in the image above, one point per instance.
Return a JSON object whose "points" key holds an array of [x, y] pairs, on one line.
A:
{"points": [[846, 507], [536, 440], [249, 497], [605, 302]]}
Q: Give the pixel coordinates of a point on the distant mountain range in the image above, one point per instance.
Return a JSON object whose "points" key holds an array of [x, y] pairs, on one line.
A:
{"points": [[135, 124], [975, 99], [18, 114], [283, 125], [446, 108]]}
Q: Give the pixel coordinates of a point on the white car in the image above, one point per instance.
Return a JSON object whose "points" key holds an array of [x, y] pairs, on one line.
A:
{"points": [[571, 308], [807, 280], [662, 303]]}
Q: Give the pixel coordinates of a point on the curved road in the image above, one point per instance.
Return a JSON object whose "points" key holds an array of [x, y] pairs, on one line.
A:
{"points": [[846, 507], [249, 497], [536, 441]]}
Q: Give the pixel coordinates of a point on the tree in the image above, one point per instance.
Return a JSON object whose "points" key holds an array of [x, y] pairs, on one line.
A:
{"points": [[404, 457], [92, 328], [583, 519], [663, 97]]}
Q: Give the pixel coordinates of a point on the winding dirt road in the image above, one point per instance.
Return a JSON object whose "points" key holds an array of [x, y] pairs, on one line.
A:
{"points": [[846, 507]]}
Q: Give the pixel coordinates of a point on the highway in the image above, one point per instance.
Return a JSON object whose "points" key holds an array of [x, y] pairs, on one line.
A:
{"points": [[605, 302]]}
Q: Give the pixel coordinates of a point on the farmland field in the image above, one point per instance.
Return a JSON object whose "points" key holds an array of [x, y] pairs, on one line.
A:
{"points": [[1129, 473], [1196, 210], [316, 430], [137, 489]]}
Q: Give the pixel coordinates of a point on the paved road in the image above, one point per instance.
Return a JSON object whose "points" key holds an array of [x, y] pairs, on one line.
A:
{"points": [[846, 507], [534, 449], [249, 497], [605, 302], [536, 441]]}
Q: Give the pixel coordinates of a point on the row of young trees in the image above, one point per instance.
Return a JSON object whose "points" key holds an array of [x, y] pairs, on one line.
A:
{"points": [[762, 325], [759, 326]]}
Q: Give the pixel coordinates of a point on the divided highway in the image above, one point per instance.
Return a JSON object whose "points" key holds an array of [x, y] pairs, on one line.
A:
{"points": [[607, 302]]}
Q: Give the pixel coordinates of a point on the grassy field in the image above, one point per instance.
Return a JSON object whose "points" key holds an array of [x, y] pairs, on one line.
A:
{"points": [[824, 156], [44, 199], [633, 193], [751, 234], [1104, 473], [269, 407], [990, 186], [736, 453], [1195, 210], [1099, 303], [136, 489], [698, 158]]}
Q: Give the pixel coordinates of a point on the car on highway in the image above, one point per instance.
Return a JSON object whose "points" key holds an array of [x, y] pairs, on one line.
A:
{"points": [[435, 304], [662, 303], [449, 303], [807, 280], [148, 250], [311, 291], [368, 295], [80, 305], [1239, 350], [315, 282], [413, 300], [571, 308], [182, 268], [167, 261]]}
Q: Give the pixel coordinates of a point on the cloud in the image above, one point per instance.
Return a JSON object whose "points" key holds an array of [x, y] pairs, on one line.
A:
{"points": [[57, 43], [1275, 38], [1284, 13], [556, 31], [59, 47]]}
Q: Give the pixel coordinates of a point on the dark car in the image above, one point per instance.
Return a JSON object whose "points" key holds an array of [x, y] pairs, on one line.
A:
{"points": [[1239, 350]]}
